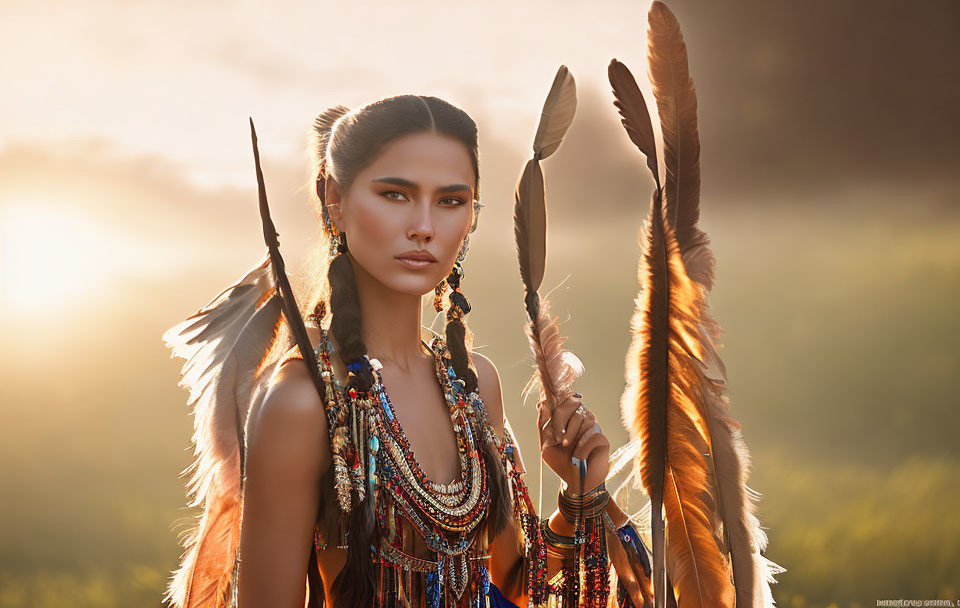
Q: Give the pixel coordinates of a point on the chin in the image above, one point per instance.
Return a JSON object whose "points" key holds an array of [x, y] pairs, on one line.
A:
{"points": [[413, 285]]}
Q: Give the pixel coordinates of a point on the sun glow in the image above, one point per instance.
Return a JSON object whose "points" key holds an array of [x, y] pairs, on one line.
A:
{"points": [[49, 256]]}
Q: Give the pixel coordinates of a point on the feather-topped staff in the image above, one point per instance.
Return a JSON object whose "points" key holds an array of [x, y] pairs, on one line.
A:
{"points": [[557, 368], [691, 458], [225, 344]]}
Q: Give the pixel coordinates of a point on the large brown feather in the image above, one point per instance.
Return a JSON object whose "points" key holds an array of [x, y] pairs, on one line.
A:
{"points": [[634, 114], [661, 405], [740, 533], [644, 401], [702, 485]]}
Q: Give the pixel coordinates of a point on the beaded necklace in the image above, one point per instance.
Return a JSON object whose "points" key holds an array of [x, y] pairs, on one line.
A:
{"points": [[446, 518]]}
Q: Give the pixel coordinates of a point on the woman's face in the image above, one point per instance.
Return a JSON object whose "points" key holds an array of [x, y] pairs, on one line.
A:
{"points": [[416, 196]]}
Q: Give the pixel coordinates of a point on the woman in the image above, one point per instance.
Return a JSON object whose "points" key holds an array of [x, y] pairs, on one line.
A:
{"points": [[401, 484]]}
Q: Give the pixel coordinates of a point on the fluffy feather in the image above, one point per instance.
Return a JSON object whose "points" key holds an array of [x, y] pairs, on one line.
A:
{"points": [[561, 366], [223, 344], [698, 471], [557, 368]]}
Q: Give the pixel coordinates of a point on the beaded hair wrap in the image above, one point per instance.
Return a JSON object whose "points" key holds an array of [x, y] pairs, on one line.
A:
{"points": [[457, 299]]}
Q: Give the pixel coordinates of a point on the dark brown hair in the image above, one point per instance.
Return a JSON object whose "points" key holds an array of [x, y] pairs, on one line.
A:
{"points": [[343, 143]]}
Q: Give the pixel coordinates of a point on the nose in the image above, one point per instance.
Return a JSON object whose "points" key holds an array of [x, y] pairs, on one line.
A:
{"points": [[421, 225]]}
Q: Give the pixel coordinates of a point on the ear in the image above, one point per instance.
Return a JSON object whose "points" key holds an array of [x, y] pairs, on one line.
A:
{"points": [[333, 200]]}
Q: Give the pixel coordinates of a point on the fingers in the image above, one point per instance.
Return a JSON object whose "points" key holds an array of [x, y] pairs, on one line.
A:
{"points": [[587, 430], [561, 417], [589, 441], [570, 424], [576, 424]]}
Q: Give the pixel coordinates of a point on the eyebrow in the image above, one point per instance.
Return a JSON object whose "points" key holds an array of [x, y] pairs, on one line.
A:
{"points": [[399, 181]]}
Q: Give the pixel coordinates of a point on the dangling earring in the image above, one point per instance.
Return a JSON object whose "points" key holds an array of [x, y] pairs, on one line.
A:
{"points": [[462, 254], [338, 241]]}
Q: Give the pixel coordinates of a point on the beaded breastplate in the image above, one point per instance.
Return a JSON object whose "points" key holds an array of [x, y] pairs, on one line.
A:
{"points": [[433, 546]]}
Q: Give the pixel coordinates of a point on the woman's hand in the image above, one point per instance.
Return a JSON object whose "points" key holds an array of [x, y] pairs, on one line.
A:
{"points": [[571, 431]]}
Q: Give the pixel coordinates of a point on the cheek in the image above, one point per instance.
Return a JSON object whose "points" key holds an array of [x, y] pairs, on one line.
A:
{"points": [[371, 222], [451, 231]]}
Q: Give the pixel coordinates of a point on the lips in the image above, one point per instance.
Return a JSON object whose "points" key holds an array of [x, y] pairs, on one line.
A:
{"points": [[420, 255], [416, 259]]}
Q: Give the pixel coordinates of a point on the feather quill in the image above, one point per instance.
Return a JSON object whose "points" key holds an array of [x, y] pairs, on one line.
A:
{"points": [[223, 345], [702, 481], [557, 368]]}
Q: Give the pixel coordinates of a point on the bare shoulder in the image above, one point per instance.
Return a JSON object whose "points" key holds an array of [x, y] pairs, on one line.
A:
{"points": [[291, 424], [488, 386]]}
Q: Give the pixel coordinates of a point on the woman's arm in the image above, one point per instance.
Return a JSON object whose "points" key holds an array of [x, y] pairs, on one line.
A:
{"points": [[287, 453], [506, 550], [586, 442]]}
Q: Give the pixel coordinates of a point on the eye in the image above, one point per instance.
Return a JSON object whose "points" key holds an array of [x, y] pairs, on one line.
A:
{"points": [[456, 202], [390, 194]]}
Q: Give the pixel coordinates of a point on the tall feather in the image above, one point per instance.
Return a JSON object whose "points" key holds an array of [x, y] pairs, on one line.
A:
{"points": [[714, 460], [677, 105], [661, 406], [557, 368], [223, 344]]}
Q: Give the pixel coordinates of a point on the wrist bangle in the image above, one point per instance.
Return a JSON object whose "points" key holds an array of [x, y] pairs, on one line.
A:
{"points": [[555, 539], [591, 492], [592, 504]]}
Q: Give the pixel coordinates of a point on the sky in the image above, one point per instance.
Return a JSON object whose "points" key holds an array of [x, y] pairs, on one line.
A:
{"points": [[129, 118]]}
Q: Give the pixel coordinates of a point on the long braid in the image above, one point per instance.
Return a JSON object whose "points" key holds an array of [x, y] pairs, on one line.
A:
{"points": [[459, 340], [355, 583]]}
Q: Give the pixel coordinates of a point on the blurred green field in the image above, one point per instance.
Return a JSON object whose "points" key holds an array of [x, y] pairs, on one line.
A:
{"points": [[840, 341]]}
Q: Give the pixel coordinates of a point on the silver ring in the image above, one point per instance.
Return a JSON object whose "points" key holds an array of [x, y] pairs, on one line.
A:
{"points": [[581, 409], [577, 396]]}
